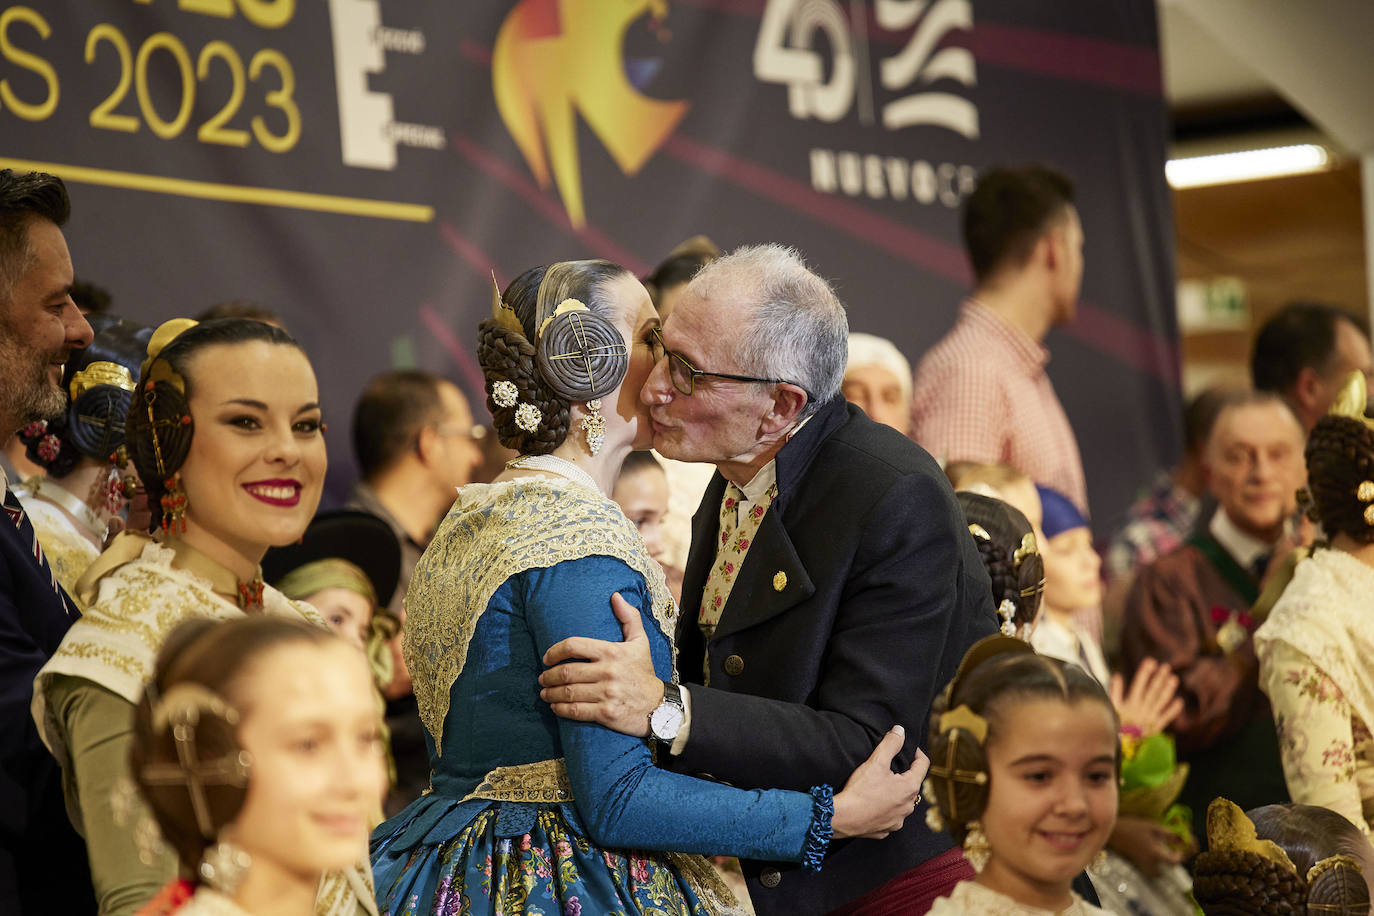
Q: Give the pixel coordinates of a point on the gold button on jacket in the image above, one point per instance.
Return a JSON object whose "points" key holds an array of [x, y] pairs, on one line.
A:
{"points": [[770, 877], [734, 665]]}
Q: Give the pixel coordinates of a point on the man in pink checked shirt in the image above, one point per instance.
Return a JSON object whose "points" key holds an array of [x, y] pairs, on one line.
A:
{"points": [[981, 393]]}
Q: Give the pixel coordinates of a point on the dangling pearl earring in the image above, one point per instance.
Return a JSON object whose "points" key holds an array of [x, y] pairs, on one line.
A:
{"points": [[594, 426]]}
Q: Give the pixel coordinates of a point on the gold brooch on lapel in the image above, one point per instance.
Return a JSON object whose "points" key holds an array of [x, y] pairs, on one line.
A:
{"points": [[779, 581]]}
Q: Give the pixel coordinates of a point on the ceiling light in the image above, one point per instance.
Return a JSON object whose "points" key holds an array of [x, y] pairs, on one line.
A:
{"points": [[1245, 165]]}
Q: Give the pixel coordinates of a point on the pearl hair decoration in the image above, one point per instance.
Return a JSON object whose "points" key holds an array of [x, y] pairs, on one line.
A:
{"points": [[504, 393], [528, 417]]}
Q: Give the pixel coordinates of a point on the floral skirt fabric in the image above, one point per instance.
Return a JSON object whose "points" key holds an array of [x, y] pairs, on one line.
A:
{"points": [[550, 871]]}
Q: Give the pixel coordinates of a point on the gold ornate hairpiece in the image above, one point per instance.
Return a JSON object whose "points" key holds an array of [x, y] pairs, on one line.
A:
{"points": [[502, 313], [152, 368], [979, 531], [567, 305], [1330, 862], [1027, 548], [963, 717], [1229, 828], [101, 372], [1352, 400]]}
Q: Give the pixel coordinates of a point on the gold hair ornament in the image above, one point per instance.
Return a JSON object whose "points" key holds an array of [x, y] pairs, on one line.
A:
{"points": [[1027, 549], [502, 313], [1228, 828], [1352, 400], [979, 531], [964, 720], [1330, 862], [101, 372], [180, 709], [156, 370], [1365, 494]]}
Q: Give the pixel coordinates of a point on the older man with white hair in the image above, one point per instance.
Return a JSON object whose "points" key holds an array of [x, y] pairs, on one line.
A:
{"points": [[877, 380], [831, 589]]}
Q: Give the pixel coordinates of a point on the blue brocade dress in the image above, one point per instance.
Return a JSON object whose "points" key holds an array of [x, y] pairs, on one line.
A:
{"points": [[527, 812]]}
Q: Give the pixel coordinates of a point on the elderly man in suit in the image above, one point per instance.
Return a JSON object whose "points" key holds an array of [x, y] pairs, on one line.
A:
{"points": [[831, 589], [42, 860]]}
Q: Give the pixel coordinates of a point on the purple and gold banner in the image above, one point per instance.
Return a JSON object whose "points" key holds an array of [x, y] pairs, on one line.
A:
{"points": [[361, 167]]}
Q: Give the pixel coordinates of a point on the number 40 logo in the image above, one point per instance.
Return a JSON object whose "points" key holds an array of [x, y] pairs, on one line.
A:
{"points": [[784, 54]]}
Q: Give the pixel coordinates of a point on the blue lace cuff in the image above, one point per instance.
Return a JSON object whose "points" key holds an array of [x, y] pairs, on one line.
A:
{"points": [[818, 835]]}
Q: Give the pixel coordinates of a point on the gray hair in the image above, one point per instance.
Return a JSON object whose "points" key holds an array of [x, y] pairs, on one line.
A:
{"points": [[797, 329]]}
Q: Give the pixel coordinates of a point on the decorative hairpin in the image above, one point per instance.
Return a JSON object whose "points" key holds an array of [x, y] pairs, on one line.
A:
{"points": [[528, 417], [1007, 611], [1365, 494], [504, 393]]}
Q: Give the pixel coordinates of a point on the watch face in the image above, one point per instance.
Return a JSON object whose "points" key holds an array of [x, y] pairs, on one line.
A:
{"points": [[665, 721]]}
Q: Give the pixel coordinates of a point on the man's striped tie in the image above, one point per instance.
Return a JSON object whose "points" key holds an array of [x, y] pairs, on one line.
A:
{"points": [[15, 510]]}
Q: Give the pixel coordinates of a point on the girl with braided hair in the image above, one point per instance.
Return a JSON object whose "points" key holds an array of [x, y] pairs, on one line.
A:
{"points": [[1023, 774], [1315, 645], [528, 812], [72, 507], [225, 431], [257, 747]]}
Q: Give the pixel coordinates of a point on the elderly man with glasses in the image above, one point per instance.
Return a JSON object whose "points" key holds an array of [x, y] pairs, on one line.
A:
{"points": [[831, 590]]}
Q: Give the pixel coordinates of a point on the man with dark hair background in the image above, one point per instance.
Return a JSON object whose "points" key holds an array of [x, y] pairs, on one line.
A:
{"points": [[981, 393], [416, 443], [42, 860], [1304, 353]]}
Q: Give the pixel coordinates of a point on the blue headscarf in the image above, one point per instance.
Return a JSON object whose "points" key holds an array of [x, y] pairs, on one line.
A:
{"points": [[1060, 514]]}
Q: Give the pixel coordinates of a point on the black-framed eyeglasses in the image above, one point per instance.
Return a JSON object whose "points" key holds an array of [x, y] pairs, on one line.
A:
{"points": [[684, 375]]}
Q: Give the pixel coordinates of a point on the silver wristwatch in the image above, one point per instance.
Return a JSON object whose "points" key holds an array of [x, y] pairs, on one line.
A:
{"points": [[667, 718]]}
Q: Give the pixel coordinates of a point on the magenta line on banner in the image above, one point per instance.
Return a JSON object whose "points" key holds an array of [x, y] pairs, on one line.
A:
{"points": [[478, 54], [898, 239], [466, 249], [552, 210], [1120, 65], [472, 375], [1088, 60], [1134, 346]]}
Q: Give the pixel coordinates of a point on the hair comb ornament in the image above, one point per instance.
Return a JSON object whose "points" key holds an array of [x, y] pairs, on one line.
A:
{"points": [[1353, 399], [100, 372], [1027, 548], [502, 313]]}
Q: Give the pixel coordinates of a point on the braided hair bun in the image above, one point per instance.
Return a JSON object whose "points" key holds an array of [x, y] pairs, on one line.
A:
{"points": [[1006, 545], [189, 712], [1340, 458], [100, 379], [553, 351], [1287, 858], [1237, 882]]}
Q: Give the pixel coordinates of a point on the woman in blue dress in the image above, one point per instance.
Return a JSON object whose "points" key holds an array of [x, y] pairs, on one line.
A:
{"points": [[527, 812]]}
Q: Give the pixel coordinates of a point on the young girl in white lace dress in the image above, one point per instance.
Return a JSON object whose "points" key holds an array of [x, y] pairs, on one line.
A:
{"points": [[1024, 764]]}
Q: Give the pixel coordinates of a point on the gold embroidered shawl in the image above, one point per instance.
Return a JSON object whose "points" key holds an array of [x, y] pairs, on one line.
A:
{"points": [[136, 594], [69, 552], [493, 532]]}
